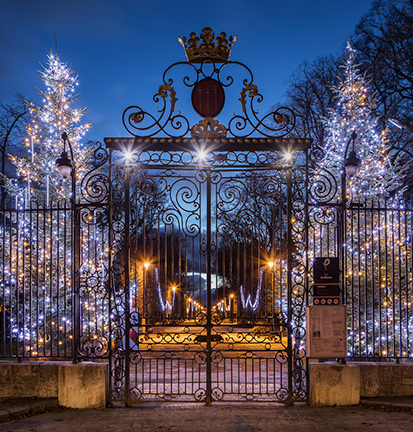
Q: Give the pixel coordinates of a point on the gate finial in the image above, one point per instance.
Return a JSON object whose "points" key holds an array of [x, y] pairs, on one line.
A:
{"points": [[218, 52]]}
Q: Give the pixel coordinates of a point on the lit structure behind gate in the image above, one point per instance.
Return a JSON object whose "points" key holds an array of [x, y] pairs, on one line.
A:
{"points": [[207, 237]]}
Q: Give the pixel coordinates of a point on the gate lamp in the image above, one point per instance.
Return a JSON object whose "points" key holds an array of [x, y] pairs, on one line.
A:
{"points": [[352, 162], [64, 164]]}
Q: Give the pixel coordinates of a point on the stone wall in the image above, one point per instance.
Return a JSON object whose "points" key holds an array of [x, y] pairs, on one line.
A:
{"points": [[29, 379], [84, 385], [81, 385], [385, 379], [335, 384]]}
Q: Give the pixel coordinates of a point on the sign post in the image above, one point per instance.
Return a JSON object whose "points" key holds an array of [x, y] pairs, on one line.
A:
{"points": [[326, 320]]}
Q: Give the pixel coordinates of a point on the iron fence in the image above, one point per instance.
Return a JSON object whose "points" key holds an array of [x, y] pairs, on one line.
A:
{"points": [[373, 239], [37, 312], [36, 288], [378, 275], [47, 308]]}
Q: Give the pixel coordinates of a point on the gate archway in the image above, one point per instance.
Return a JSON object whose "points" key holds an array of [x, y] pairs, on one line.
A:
{"points": [[206, 273]]}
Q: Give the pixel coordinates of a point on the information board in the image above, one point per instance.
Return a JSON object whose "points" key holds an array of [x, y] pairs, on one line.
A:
{"points": [[326, 332], [326, 275]]}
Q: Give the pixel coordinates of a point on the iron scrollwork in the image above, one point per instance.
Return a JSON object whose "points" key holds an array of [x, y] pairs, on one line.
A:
{"points": [[172, 123], [94, 184]]}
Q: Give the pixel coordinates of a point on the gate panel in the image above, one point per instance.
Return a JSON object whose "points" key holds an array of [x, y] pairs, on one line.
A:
{"points": [[160, 329], [250, 263]]}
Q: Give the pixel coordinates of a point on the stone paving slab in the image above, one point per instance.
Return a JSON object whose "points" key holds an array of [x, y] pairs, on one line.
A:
{"points": [[225, 418]]}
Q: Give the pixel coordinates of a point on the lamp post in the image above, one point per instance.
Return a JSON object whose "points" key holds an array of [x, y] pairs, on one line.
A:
{"points": [[271, 265], [352, 162], [66, 168], [173, 309], [351, 166], [145, 296]]}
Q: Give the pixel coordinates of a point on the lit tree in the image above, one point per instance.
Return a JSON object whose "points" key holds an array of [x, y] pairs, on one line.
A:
{"points": [[378, 175], [37, 284], [376, 242], [49, 121]]}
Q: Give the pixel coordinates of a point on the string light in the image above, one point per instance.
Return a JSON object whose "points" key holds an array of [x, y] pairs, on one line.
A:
{"points": [[165, 305], [247, 303]]}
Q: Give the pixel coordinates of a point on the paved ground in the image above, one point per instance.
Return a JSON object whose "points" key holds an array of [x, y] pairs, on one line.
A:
{"points": [[230, 417]]}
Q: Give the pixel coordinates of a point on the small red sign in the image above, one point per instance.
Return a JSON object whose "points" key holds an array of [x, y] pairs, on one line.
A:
{"points": [[208, 97]]}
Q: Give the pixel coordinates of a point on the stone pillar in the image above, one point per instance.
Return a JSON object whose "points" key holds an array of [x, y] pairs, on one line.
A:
{"points": [[82, 385], [334, 384]]}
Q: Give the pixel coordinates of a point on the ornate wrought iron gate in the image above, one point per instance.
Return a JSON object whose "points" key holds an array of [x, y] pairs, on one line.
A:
{"points": [[206, 266], [208, 274]]}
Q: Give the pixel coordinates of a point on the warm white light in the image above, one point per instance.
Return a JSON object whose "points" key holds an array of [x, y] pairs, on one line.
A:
{"points": [[201, 156], [202, 153], [288, 156], [351, 170], [65, 170], [128, 155]]}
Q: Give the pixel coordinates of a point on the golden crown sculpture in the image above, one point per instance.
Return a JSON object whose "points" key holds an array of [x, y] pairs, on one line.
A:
{"points": [[218, 52]]}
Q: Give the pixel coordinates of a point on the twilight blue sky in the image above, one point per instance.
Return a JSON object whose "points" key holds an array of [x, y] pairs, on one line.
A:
{"points": [[120, 48]]}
